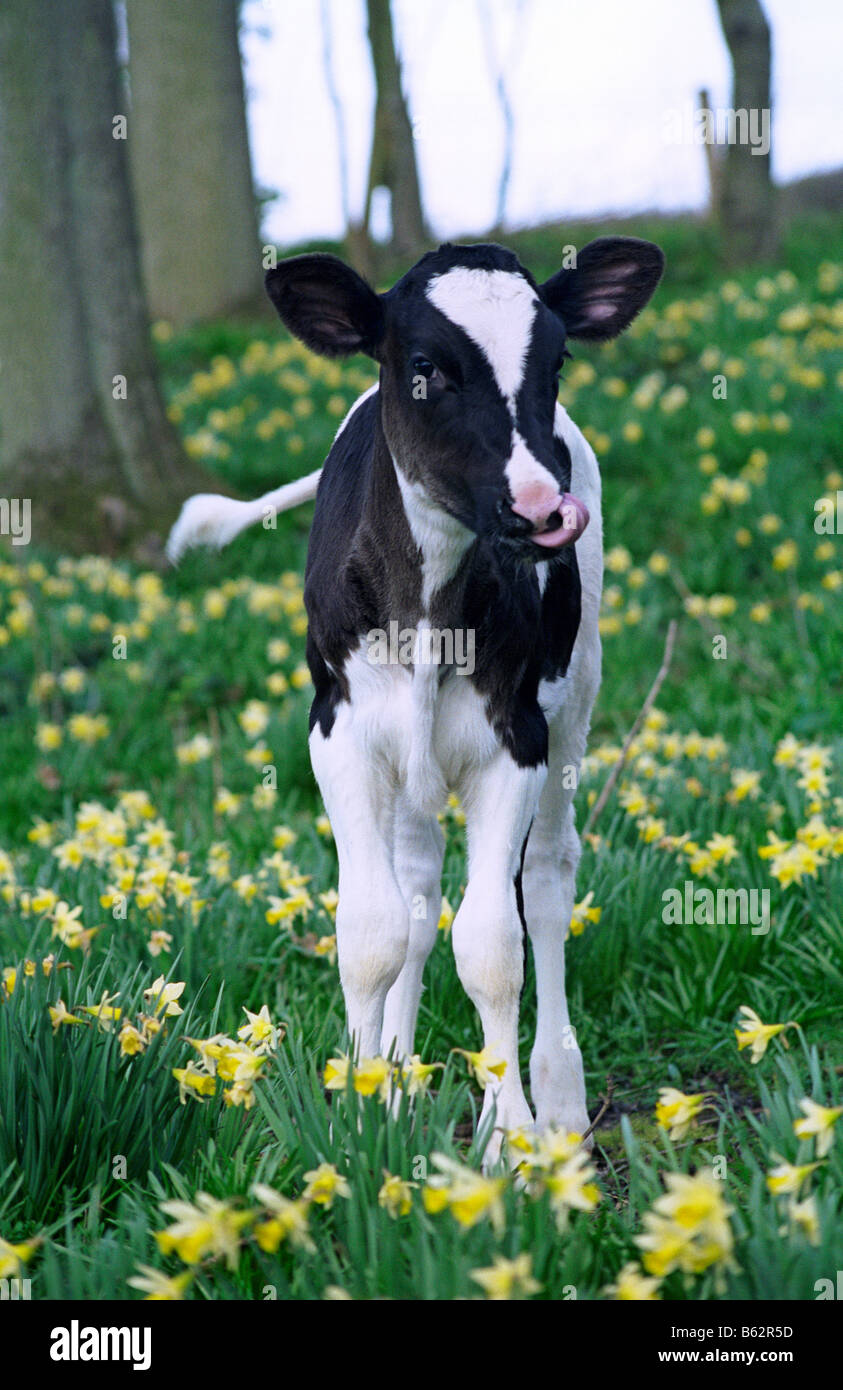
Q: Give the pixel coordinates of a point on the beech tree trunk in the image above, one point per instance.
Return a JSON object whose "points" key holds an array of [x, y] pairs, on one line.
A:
{"points": [[189, 154], [84, 434], [747, 197], [392, 163]]}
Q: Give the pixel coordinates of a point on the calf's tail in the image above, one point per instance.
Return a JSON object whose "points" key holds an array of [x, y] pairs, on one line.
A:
{"points": [[210, 519]]}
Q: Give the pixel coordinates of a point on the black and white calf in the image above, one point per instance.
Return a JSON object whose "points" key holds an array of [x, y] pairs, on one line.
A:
{"points": [[458, 495]]}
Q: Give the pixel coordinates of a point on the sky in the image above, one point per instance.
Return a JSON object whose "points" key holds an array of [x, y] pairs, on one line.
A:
{"points": [[597, 89]]}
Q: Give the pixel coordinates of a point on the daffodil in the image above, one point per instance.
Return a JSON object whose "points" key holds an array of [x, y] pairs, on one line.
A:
{"points": [[14, 1257], [632, 1285], [819, 1121], [193, 1082], [395, 1195], [805, 1216], [284, 909], [470, 1196], [570, 1187], [60, 1014], [787, 1178], [582, 913], [755, 1034], [507, 1279], [159, 1287], [372, 1076], [260, 1032], [485, 1065], [104, 1012], [676, 1111], [330, 901], [206, 1227], [695, 1203], [131, 1040], [165, 996], [287, 1220], [324, 1184], [416, 1074]]}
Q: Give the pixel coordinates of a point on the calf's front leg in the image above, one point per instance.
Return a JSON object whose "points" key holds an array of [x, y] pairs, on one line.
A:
{"points": [[372, 923], [499, 801], [550, 864], [418, 846]]}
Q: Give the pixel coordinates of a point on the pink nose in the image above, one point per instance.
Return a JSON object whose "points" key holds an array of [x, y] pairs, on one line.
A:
{"points": [[537, 503]]}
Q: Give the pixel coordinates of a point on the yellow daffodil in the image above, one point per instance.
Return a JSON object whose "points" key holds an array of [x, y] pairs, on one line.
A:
{"points": [[470, 1196], [324, 1184], [260, 1032], [193, 1082], [805, 1217], [287, 1220], [818, 1122], [755, 1034], [14, 1257], [583, 912], [676, 1111], [787, 1178], [159, 1287], [507, 1279], [632, 1285], [372, 1076], [208, 1227], [165, 996], [395, 1195], [485, 1065], [60, 1014], [416, 1074]]}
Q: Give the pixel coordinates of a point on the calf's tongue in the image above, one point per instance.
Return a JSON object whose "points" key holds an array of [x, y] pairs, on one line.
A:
{"points": [[574, 515]]}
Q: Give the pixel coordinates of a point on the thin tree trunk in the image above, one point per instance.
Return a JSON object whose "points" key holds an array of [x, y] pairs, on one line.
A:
{"points": [[393, 159], [748, 212], [189, 152], [336, 107], [501, 71], [83, 430]]}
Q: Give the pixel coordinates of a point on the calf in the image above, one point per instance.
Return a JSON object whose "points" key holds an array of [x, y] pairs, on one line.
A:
{"points": [[457, 496]]}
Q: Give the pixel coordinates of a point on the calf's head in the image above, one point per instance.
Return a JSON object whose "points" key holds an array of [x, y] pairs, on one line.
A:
{"points": [[470, 349]]}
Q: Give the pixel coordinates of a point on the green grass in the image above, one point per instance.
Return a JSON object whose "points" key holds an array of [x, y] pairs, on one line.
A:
{"points": [[93, 1140]]}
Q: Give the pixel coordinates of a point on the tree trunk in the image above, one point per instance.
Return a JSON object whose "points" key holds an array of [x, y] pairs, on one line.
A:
{"points": [[189, 154], [747, 196], [392, 163], [83, 431]]}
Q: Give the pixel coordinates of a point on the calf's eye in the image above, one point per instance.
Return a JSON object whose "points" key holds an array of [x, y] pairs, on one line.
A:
{"points": [[422, 366]]}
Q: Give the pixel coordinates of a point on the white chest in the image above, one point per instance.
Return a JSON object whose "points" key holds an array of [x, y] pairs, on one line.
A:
{"points": [[423, 733]]}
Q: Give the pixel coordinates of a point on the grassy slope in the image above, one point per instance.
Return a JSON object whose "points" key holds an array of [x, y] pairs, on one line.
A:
{"points": [[654, 1004]]}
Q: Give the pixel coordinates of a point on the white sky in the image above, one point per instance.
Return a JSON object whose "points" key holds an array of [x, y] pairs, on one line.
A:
{"points": [[592, 83]]}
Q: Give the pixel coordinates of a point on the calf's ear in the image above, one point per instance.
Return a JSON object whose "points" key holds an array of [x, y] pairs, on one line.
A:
{"points": [[327, 305], [613, 279]]}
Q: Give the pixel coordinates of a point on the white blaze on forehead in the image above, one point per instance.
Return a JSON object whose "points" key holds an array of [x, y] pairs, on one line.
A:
{"points": [[496, 308]]}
